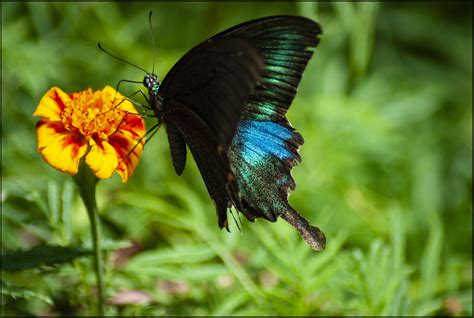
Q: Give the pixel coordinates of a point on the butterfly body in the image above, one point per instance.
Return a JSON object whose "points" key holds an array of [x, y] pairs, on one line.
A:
{"points": [[152, 83], [226, 100]]}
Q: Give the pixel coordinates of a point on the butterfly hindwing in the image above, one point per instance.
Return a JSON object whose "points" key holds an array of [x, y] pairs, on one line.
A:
{"points": [[262, 154]]}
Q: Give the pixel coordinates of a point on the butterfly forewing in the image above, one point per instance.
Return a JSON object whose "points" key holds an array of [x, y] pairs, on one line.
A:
{"points": [[283, 42], [215, 80]]}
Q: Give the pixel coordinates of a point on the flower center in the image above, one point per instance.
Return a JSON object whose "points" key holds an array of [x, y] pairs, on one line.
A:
{"points": [[93, 114]]}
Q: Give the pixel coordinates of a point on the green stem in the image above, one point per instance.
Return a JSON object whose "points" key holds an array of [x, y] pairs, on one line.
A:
{"points": [[86, 183]]}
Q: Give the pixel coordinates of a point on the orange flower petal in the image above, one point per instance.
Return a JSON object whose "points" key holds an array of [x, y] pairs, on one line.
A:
{"points": [[76, 123], [133, 124], [120, 100], [102, 159], [60, 148], [128, 150], [52, 103]]}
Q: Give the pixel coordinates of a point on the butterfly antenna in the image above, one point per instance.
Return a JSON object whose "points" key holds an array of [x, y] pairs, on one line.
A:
{"points": [[120, 59], [152, 41]]}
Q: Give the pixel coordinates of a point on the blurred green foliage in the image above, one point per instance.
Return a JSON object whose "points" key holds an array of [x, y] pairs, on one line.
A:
{"points": [[385, 107]]}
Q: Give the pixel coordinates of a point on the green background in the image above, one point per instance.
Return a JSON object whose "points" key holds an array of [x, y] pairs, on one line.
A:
{"points": [[385, 107]]}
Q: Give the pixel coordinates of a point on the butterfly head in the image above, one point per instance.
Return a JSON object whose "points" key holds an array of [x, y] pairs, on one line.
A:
{"points": [[152, 83]]}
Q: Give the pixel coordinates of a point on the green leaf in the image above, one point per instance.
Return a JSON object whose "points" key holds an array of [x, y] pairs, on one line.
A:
{"points": [[229, 304], [179, 255], [41, 255], [20, 292]]}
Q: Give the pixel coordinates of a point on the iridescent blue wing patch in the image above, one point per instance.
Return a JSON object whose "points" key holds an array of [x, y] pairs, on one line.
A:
{"points": [[262, 155]]}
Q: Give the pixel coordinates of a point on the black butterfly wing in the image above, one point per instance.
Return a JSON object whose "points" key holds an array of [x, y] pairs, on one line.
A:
{"points": [[265, 147], [213, 164], [215, 80], [254, 139], [283, 41], [203, 98], [177, 147]]}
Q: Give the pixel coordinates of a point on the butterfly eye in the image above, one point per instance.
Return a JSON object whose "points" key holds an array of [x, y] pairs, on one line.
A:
{"points": [[146, 81], [150, 80]]}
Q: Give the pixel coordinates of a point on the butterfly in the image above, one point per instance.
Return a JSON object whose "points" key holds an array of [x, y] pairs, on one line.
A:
{"points": [[226, 100]]}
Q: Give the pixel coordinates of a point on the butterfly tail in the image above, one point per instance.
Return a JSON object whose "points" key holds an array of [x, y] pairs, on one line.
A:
{"points": [[311, 234]]}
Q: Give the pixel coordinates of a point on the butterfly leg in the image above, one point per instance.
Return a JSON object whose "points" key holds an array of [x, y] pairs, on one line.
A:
{"points": [[140, 104], [144, 96], [133, 94], [235, 220], [150, 133]]}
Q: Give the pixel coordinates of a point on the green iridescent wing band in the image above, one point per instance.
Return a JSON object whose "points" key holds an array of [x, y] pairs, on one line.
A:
{"points": [[283, 41]]}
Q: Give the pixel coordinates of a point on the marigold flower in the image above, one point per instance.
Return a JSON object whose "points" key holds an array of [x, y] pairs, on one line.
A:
{"points": [[101, 125]]}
